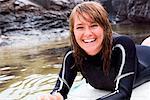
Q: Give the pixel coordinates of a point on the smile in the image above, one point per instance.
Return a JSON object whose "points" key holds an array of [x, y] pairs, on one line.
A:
{"points": [[89, 40]]}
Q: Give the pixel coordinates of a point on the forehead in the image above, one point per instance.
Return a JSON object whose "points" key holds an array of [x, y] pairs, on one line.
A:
{"points": [[82, 18]]}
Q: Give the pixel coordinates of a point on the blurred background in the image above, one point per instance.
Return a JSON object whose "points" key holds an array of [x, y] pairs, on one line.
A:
{"points": [[34, 36]]}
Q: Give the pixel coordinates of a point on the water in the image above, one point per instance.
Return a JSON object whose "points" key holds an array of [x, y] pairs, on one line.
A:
{"points": [[27, 71], [138, 32]]}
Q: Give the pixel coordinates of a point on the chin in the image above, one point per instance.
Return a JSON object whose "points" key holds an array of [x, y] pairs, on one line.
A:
{"points": [[91, 53]]}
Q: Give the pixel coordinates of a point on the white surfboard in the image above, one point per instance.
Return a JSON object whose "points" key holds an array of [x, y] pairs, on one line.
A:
{"points": [[83, 91]]}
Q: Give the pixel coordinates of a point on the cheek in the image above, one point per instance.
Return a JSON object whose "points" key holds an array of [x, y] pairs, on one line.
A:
{"points": [[77, 39], [77, 36], [101, 34], [100, 37]]}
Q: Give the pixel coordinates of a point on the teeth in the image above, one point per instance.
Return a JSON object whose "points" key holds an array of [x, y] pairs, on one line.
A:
{"points": [[89, 40]]}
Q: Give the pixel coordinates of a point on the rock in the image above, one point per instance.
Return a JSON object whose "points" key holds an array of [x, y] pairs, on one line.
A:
{"points": [[136, 11], [19, 18], [55, 5], [139, 11], [119, 7]]}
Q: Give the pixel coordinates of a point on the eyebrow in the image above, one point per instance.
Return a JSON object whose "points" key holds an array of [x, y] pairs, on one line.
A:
{"points": [[90, 22], [78, 24]]}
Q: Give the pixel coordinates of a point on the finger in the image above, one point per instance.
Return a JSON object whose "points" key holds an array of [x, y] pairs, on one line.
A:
{"points": [[50, 97], [46, 97], [41, 97], [58, 96]]}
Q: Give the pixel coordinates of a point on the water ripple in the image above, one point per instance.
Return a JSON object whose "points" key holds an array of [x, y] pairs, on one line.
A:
{"points": [[30, 87]]}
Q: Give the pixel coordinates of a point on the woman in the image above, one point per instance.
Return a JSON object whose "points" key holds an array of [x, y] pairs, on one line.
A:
{"points": [[106, 62]]}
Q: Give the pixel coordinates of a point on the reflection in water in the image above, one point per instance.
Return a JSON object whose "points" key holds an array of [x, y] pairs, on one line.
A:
{"points": [[26, 72]]}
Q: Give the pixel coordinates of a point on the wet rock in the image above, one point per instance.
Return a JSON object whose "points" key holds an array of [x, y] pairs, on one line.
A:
{"points": [[135, 11], [53, 4], [18, 17], [25, 17], [139, 11], [120, 9]]}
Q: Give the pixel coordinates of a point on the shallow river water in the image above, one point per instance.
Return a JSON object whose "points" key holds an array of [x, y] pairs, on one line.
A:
{"points": [[30, 70]]}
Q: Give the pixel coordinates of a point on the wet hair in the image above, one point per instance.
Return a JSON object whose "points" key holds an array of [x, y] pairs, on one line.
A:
{"points": [[99, 15]]}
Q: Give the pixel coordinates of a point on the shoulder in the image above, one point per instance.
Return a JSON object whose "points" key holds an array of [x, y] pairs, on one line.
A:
{"points": [[69, 55], [125, 44], [68, 60], [124, 41]]}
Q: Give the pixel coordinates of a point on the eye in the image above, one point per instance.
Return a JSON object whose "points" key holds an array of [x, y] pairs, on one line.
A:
{"points": [[79, 27], [94, 25]]}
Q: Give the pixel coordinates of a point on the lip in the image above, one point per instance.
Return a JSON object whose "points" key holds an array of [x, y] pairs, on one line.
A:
{"points": [[89, 40]]}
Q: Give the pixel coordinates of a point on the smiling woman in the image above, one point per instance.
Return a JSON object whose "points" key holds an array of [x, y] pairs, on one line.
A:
{"points": [[88, 34], [107, 62]]}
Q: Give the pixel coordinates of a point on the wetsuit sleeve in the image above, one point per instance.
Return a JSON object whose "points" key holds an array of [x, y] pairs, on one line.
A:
{"points": [[66, 76], [126, 72]]}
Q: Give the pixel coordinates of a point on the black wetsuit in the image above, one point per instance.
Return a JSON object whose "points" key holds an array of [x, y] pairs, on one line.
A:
{"points": [[123, 77]]}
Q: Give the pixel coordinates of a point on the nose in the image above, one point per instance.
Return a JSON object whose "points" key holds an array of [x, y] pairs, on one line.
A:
{"points": [[88, 31]]}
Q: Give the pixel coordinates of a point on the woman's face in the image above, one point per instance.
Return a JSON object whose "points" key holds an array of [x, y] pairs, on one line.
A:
{"points": [[88, 34]]}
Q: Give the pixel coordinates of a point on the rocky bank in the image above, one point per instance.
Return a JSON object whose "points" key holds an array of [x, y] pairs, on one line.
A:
{"points": [[23, 16]]}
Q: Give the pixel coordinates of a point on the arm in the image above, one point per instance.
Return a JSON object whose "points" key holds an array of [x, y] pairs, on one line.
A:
{"points": [[66, 76], [127, 70]]}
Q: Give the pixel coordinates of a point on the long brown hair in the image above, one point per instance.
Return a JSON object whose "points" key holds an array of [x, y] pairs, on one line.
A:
{"points": [[98, 14]]}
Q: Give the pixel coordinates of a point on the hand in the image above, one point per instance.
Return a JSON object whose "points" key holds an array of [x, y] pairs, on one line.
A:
{"points": [[56, 96]]}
